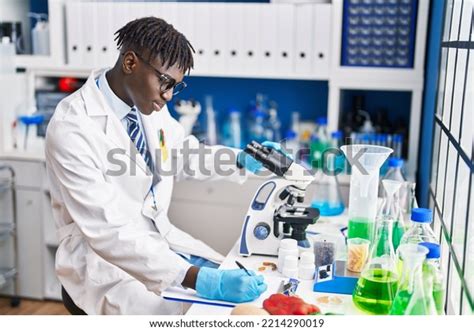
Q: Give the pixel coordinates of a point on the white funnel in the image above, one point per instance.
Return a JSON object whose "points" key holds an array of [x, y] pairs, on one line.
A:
{"points": [[391, 186], [366, 158], [365, 161]]}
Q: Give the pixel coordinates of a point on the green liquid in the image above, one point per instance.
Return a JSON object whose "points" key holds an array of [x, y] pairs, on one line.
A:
{"points": [[317, 149], [400, 303], [360, 228], [438, 296], [398, 232], [375, 291]]}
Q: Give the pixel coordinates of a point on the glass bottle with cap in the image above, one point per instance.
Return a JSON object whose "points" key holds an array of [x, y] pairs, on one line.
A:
{"points": [[432, 267], [394, 172], [319, 143], [420, 230]]}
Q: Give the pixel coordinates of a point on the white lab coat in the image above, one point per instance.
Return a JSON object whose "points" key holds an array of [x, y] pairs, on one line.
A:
{"points": [[116, 252]]}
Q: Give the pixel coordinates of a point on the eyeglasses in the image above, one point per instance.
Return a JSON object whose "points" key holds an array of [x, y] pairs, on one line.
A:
{"points": [[166, 82]]}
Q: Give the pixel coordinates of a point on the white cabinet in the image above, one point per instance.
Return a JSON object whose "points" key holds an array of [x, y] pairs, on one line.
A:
{"points": [[30, 268], [35, 232]]}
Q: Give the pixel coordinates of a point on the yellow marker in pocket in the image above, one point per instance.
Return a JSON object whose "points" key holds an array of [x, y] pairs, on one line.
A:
{"points": [[163, 148]]}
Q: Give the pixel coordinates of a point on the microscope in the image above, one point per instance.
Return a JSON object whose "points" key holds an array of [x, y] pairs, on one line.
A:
{"points": [[275, 211]]}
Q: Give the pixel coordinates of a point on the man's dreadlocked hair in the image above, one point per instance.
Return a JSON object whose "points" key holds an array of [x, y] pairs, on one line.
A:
{"points": [[159, 38]]}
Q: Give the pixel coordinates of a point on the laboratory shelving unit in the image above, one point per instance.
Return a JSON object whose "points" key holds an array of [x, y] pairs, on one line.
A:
{"points": [[8, 237], [340, 78]]}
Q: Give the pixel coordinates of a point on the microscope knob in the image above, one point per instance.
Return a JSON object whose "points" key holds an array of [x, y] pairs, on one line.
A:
{"points": [[300, 199], [284, 194], [261, 231]]}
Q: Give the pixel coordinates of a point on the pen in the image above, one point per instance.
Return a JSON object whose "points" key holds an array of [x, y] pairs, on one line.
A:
{"points": [[242, 267]]}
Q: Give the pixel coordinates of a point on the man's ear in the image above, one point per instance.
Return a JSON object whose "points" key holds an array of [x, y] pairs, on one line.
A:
{"points": [[129, 62]]}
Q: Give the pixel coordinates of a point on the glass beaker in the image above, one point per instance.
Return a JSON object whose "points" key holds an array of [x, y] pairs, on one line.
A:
{"points": [[327, 196], [391, 208], [365, 161], [414, 295], [377, 285], [357, 254]]}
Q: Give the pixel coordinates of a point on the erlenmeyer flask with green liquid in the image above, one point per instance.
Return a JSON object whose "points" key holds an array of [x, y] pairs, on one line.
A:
{"points": [[377, 285], [414, 295]]}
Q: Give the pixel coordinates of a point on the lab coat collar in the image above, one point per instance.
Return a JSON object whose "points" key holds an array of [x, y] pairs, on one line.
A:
{"points": [[120, 108], [96, 107]]}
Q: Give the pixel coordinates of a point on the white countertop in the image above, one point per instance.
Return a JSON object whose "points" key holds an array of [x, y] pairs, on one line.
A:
{"points": [[34, 155], [326, 225]]}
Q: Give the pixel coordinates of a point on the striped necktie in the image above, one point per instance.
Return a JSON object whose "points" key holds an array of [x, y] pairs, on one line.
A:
{"points": [[138, 137]]}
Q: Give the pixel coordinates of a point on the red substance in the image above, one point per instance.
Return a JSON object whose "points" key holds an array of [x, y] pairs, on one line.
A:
{"points": [[280, 304], [68, 84]]}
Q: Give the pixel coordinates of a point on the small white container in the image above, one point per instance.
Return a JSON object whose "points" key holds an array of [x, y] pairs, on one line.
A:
{"points": [[288, 247], [307, 267], [290, 266]]}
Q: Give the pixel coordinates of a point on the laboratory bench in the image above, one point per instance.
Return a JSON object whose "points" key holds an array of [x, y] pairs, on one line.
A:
{"points": [[328, 226]]}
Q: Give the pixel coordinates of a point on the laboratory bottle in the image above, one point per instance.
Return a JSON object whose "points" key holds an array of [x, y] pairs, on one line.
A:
{"points": [[365, 163], [232, 135], [397, 144], [295, 123], [394, 172], [432, 267], [256, 128], [327, 195], [414, 295], [40, 34], [288, 247], [291, 144], [377, 285], [340, 160], [319, 143], [7, 56], [211, 127], [391, 208], [273, 125], [419, 229]]}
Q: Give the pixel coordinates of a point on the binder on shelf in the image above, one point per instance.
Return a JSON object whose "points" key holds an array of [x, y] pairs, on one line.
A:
{"points": [[322, 40], [166, 10], [121, 15], [285, 33], [105, 35], [268, 39], [304, 38], [74, 33], [235, 47], [90, 32], [218, 55], [185, 21], [202, 37], [251, 44]]}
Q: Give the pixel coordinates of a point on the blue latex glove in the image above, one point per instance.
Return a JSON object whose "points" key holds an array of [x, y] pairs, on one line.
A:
{"points": [[229, 285], [248, 162]]}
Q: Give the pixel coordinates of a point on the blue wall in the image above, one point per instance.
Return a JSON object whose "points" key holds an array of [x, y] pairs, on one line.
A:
{"points": [[309, 98]]}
